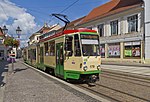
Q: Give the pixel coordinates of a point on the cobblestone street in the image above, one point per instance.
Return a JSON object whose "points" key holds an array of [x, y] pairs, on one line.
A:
{"points": [[26, 85]]}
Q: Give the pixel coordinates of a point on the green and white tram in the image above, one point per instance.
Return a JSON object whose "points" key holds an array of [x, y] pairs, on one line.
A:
{"points": [[72, 54]]}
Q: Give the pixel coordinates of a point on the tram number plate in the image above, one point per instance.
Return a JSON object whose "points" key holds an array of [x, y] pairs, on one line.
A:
{"points": [[92, 66]]}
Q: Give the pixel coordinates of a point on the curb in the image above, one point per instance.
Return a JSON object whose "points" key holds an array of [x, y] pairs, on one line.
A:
{"points": [[127, 64], [68, 84]]}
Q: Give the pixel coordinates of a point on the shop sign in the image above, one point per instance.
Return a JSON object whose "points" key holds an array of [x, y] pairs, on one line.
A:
{"points": [[132, 43], [136, 43]]}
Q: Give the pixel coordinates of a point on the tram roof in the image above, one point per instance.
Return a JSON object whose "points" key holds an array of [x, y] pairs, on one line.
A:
{"points": [[66, 32]]}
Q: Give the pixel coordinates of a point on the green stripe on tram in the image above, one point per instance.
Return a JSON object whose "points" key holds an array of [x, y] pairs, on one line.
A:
{"points": [[76, 74], [88, 33]]}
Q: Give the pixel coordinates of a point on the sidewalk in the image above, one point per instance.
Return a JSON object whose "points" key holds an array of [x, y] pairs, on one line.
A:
{"points": [[126, 64], [130, 69], [27, 85]]}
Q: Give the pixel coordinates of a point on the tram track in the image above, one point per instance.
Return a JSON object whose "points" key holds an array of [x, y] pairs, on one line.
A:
{"points": [[114, 94], [126, 97], [126, 78], [123, 93]]}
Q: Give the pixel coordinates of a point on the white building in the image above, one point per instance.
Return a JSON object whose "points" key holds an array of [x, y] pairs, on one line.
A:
{"points": [[3, 48], [123, 26]]}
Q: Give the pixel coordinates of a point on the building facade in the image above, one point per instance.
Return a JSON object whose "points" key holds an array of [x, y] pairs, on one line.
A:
{"points": [[3, 48], [120, 24], [147, 30]]}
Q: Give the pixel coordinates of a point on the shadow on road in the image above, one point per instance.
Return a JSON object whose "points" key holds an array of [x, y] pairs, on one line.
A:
{"points": [[3, 68], [18, 69]]}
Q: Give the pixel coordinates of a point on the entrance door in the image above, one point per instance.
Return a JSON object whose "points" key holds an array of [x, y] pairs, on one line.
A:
{"points": [[59, 60], [41, 55]]}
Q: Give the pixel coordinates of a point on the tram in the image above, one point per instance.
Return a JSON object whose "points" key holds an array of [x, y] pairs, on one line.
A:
{"points": [[71, 54]]}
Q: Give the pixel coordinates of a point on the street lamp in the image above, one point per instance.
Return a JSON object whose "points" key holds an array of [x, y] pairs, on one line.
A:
{"points": [[5, 30], [18, 31]]}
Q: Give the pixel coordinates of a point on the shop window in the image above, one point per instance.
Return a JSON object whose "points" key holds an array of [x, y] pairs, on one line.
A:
{"points": [[77, 45], [46, 48], [101, 30], [102, 50], [114, 27], [114, 50], [133, 23], [52, 48], [132, 49]]}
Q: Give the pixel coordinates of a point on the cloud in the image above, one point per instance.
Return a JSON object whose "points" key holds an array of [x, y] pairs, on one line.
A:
{"points": [[13, 16]]}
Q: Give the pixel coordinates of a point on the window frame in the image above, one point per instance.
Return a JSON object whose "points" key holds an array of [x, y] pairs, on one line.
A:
{"points": [[116, 24], [102, 25], [135, 21]]}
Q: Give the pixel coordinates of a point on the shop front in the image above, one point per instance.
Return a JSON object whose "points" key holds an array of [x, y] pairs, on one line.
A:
{"points": [[132, 50], [114, 50], [102, 50]]}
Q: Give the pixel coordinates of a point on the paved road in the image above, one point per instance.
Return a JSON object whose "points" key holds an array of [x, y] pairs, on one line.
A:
{"points": [[26, 85], [3, 71]]}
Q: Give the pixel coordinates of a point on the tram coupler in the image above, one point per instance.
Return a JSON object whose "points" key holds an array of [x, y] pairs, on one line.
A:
{"points": [[92, 80]]}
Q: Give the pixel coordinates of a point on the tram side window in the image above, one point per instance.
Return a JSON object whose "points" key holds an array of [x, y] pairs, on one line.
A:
{"points": [[52, 48], [68, 45], [77, 51], [46, 48]]}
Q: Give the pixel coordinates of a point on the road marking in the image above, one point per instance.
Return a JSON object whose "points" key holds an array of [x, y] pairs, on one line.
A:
{"points": [[72, 86]]}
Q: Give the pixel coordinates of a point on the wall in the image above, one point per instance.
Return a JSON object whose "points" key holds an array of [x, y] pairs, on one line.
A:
{"points": [[147, 29]]}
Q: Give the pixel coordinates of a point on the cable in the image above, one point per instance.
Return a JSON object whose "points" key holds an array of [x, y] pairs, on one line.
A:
{"points": [[69, 6]]}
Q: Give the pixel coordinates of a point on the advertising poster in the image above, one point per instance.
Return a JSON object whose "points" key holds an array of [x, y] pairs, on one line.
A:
{"points": [[114, 50], [128, 53]]}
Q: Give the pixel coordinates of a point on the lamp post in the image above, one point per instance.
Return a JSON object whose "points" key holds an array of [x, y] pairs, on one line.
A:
{"points": [[18, 32], [5, 30]]}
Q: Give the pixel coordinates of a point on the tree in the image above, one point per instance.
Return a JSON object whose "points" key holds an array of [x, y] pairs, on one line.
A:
{"points": [[11, 42]]}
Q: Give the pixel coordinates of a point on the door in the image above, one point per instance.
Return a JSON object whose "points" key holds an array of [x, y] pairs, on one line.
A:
{"points": [[59, 60], [41, 55]]}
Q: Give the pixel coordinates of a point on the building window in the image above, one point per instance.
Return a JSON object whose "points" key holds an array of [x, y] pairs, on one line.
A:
{"points": [[114, 27], [46, 48], [114, 50], [101, 30], [132, 49], [52, 48], [133, 23]]}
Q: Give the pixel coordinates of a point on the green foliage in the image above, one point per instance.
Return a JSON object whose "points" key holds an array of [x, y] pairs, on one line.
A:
{"points": [[11, 42]]}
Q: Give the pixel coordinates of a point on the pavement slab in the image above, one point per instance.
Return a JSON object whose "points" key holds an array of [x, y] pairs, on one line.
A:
{"points": [[26, 85]]}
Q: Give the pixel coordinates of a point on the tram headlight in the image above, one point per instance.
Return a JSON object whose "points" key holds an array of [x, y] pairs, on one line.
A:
{"points": [[99, 67], [85, 68]]}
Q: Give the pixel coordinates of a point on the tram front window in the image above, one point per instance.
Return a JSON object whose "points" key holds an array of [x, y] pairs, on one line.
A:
{"points": [[90, 45]]}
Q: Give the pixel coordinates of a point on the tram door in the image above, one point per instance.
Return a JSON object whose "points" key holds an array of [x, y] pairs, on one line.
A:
{"points": [[41, 55], [59, 60]]}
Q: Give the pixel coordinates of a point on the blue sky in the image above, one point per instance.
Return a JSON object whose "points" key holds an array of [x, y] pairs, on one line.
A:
{"points": [[41, 9], [30, 15]]}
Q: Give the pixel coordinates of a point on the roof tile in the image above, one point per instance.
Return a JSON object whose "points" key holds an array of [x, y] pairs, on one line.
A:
{"points": [[111, 7]]}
